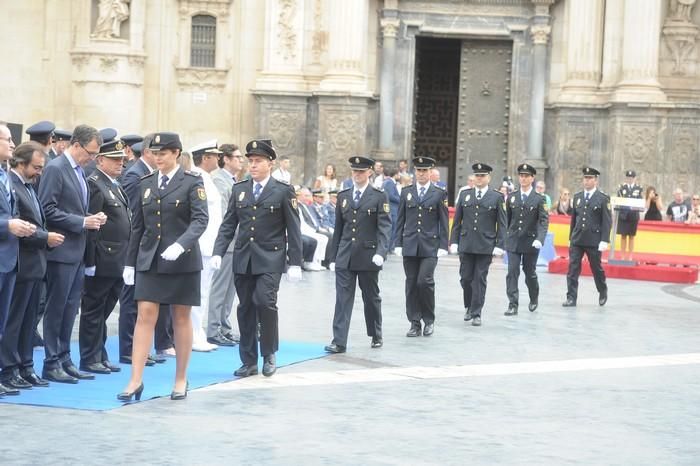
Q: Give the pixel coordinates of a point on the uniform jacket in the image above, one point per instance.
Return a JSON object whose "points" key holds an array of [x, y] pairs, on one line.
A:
{"points": [[422, 225], [635, 192], [526, 222], [9, 243], [106, 248], [479, 226], [161, 218], [269, 228], [61, 197], [131, 180], [590, 221], [32, 249], [362, 231]]}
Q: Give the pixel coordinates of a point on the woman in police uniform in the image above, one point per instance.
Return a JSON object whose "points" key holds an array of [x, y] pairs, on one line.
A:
{"points": [[165, 257]]}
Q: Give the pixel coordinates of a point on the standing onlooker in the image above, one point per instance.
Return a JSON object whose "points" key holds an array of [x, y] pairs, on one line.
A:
{"points": [[541, 187], [61, 138], [694, 214], [391, 189], [379, 175], [469, 185], [628, 219], [282, 172], [435, 179], [563, 205], [328, 180], [654, 205], [677, 210]]}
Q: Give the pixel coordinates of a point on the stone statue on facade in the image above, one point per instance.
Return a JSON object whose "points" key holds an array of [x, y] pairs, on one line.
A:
{"points": [[681, 10], [110, 16], [680, 33]]}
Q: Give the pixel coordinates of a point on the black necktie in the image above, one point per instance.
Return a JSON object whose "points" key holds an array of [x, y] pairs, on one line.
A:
{"points": [[478, 195], [587, 196], [164, 182], [524, 198], [33, 196]]}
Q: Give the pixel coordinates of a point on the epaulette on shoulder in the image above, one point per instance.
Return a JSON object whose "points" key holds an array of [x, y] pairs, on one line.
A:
{"points": [[242, 181], [604, 193], [280, 181], [154, 172], [345, 189], [440, 187], [377, 189], [191, 173], [93, 177]]}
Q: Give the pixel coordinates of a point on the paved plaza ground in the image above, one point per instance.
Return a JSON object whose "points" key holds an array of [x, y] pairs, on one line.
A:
{"points": [[613, 385]]}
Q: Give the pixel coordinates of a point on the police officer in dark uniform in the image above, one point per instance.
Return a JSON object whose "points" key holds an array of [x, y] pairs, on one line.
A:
{"points": [[421, 237], [590, 234], [628, 220], [360, 244], [527, 222], [105, 257], [478, 233], [60, 137], [264, 210]]}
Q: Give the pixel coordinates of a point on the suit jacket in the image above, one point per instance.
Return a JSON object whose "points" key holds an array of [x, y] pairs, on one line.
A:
{"points": [[106, 248], [61, 197], [479, 226], [526, 222], [223, 181], [163, 217], [310, 216], [422, 225], [269, 228], [361, 231], [9, 243], [32, 249], [590, 221]]}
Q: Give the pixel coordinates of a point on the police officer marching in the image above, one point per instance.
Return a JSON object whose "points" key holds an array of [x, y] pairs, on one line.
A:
{"points": [[421, 238], [527, 223], [590, 234]]}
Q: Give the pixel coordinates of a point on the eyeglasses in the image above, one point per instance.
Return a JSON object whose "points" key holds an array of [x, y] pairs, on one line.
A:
{"points": [[9, 139], [91, 154]]}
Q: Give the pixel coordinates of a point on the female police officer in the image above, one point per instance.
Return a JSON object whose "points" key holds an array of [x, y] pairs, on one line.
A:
{"points": [[164, 250]]}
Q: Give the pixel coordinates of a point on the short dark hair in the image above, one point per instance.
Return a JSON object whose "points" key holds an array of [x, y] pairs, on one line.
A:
{"points": [[24, 153], [84, 134], [197, 158], [44, 138], [390, 171], [228, 149]]}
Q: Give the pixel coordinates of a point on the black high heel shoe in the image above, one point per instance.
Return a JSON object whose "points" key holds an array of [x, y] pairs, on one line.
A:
{"points": [[180, 395], [126, 396]]}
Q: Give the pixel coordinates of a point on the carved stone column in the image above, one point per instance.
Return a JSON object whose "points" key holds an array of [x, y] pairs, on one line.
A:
{"points": [[389, 25], [640, 53], [612, 43], [540, 37]]}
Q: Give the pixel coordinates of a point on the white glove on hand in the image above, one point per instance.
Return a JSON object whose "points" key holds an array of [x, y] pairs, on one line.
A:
{"points": [[442, 252], [602, 246], [377, 260], [398, 251], [331, 266], [497, 252], [172, 252], [90, 271], [128, 275], [294, 273], [215, 262], [454, 248], [536, 244]]}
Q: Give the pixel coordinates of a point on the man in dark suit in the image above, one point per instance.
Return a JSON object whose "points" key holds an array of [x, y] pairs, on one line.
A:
{"points": [[392, 192], [478, 233], [105, 257], [65, 197], [265, 209], [16, 347], [61, 138], [527, 223], [589, 233], [421, 237], [11, 229], [358, 250]]}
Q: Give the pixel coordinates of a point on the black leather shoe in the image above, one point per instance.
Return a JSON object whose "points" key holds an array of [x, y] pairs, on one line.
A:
{"points": [[95, 368], [532, 306], [234, 338], [57, 375], [221, 340], [38, 341], [602, 299], [177, 396], [377, 342], [136, 394], [467, 316], [428, 330], [246, 371], [476, 322], [5, 390], [414, 331], [156, 359], [269, 365], [34, 379], [15, 381], [512, 310], [127, 360], [333, 348], [111, 367], [569, 303], [73, 371]]}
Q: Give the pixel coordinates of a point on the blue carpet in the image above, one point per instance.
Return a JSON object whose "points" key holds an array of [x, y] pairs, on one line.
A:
{"points": [[100, 394]]}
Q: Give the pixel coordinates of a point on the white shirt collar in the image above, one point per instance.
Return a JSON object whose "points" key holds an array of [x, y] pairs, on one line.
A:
{"points": [[358, 188], [263, 182], [18, 174], [108, 177], [426, 186], [527, 193], [70, 158], [590, 193], [483, 190], [169, 175]]}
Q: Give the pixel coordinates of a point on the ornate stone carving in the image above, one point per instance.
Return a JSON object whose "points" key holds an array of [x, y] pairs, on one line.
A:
{"points": [[638, 145], [285, 29], [211, 79], [218, 8], [110, 16], [283, 128], [342, 130], [390, 27], [80, 60], [319, 39], [684, 150], [680, 10], [577, 151], [108, 64], [540, 34], [680, 33]]}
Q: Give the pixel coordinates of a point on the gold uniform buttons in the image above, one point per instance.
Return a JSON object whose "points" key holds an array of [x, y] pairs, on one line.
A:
{"points": [[255, 207], [252, 239], [158, 212], [353, 239]]}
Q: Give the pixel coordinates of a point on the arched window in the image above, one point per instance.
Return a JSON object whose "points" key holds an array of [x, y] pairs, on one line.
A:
{"points": [[203, 42]]}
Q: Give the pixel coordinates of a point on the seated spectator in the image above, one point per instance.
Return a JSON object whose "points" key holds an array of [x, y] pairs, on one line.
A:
{"points": [[694, 214], [330, 206], [563, 205], [678, 209], [310, 227], [540, 187], [653, 205], [328, 180], [318, 209]]}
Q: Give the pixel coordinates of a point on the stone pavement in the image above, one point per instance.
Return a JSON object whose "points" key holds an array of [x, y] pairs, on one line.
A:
{"points": [[591, 385]]}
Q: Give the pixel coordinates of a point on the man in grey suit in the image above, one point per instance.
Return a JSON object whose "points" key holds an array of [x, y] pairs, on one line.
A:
{"points": [[64, 195], [223, 291]]}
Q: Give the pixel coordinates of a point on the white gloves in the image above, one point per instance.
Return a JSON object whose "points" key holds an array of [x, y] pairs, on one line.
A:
{"points": [[128, 275], [536, 244], [377, 260], [454, 248], [442, 252], [398, 251], [172, 252], [497, 252], [602, 246], [294, 273], [331, 266], [90, 271], [215, 262]]}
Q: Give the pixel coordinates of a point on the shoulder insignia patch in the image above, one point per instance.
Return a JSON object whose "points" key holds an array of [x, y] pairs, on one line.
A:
{"points": [[386, 207], [294, 203], [201, 194], [444, 201]]}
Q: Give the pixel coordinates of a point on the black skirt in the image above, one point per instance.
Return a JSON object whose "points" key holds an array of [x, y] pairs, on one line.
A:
{"points": [[166, 288], [627, 228]]}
